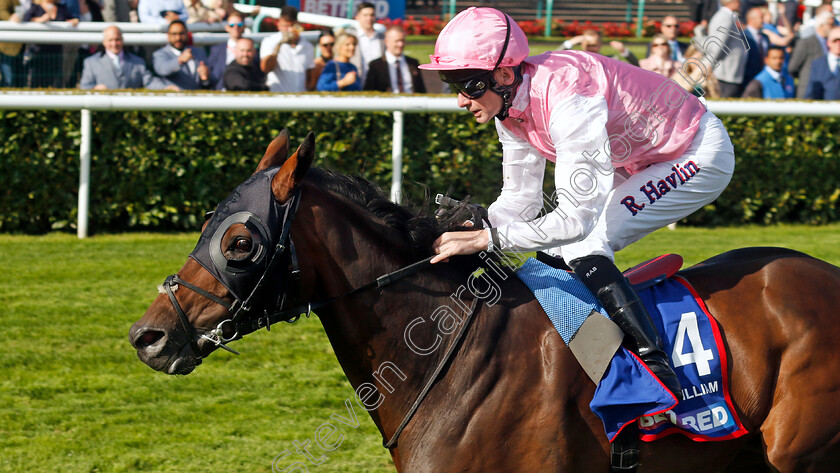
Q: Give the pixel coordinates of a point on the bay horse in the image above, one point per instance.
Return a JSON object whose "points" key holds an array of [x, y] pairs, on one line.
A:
{"points": [[503, 393]]}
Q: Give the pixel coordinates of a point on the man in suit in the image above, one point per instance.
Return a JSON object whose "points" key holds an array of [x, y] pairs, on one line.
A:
{"points": [[773, 82], [808, 49], [395, 71], [671, 29], [223, 54], [180, 64], [243, 73], [725, 30], [824, 80], [115, 68], [371, 42], [758, 42]]}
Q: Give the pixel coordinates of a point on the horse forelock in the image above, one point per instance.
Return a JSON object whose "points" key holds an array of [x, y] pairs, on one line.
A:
{"points": [[419, 229]]}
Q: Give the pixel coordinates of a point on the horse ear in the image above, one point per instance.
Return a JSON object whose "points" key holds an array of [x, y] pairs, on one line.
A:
{"points": [[276, 153], [294, 169]]}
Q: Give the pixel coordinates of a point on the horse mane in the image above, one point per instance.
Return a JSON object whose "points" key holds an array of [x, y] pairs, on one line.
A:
{"points": [[419, 229]]}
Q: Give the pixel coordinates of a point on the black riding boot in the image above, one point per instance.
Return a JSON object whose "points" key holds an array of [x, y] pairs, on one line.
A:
{"points": [[624, 307]]}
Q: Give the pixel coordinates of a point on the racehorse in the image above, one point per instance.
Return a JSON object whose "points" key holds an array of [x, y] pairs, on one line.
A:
{"points": [[461, 381]]}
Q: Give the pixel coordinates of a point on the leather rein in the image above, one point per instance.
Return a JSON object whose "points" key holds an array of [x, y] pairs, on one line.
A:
{"points": [[242, 325]]}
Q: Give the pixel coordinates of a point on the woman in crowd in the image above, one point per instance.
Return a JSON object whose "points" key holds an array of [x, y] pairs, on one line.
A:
{"points": [[44, 64], [326, 42], [659, 60], [339, 74]]}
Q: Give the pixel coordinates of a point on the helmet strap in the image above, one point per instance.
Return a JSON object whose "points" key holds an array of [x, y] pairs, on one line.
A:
{"points": [[506, 91]]}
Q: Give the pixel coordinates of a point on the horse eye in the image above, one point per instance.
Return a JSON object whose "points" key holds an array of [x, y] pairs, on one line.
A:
{"points": [[242, 244]]}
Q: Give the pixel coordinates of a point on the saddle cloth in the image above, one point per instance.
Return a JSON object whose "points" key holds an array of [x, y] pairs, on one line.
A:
{"points": [[628, 391]]}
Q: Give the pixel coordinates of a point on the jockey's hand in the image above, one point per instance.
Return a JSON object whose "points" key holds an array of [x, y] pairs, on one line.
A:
{"points": [[459, 243]]}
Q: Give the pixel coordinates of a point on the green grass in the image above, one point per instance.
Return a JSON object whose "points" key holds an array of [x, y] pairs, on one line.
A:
{"points": [[74, 397]]}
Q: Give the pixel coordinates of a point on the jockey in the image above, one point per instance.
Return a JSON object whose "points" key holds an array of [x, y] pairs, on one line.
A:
{"points": [[633, 151]]}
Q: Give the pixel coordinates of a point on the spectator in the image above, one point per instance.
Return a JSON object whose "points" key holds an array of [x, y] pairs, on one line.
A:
{"points": [[702, 11], [773, 82], [791, 13], [45, 60], [243, 73], [161, 12], [117, 11], [326, 42], [732, 60], [696, 75], [671, 29], [72, 6], [747, 5], [115, 68], [286, 58], [824, 80], [198, 13], [590, 41], [781, 35], [809, 27], [223, 54], [11, 54], [395, 71], [339, 73], [659, 60], [808, 49], [180, 64], [758, 43], [371, 42]]}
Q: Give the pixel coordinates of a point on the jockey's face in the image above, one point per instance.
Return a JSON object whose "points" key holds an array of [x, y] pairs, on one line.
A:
{"points": [[483, 108], [486, 107]]}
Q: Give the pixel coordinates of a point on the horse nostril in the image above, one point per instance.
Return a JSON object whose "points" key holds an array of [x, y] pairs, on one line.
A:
{"points": [[147, 339]]}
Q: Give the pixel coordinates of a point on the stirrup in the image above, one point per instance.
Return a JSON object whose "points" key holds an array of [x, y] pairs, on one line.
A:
{"points": [[624, 450]]}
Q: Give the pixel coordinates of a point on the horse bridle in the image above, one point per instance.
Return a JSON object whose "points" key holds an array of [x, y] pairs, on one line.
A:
{"points": [[239, 310], [242, 325]]}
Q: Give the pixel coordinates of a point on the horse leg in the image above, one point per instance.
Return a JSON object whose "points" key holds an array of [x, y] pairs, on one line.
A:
{"points": [[776, 309], [802, 430]]}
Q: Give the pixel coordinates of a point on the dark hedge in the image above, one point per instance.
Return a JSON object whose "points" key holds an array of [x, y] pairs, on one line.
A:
{"points": [[163, 170]]}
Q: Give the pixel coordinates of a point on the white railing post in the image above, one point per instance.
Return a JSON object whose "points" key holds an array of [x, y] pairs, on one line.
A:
{"points": [[84, 175], [396, 157]]}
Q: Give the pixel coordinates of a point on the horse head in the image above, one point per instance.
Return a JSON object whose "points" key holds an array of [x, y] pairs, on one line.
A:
{"points": [[219, 294]]}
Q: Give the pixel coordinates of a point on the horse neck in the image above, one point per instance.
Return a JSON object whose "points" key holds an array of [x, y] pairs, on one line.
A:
{"points": [[367, 330]]}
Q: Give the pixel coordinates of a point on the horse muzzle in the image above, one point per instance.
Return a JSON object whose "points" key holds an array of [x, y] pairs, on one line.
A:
{"points": [[165, 351]]}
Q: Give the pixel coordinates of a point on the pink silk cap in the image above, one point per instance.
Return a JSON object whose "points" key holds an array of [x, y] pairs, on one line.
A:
{"points": [[474, 39]]}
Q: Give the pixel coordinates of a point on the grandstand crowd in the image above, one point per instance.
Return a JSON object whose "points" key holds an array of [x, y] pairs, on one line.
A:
{"points": [[783, 51]]}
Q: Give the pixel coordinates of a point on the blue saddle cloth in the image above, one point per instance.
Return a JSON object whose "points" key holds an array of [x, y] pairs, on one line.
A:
{"points": [[628, 390]]}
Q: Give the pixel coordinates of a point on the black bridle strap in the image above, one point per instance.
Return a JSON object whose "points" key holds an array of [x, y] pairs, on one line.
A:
{"points": [[176, 280], [189, 331], [446, 357]]}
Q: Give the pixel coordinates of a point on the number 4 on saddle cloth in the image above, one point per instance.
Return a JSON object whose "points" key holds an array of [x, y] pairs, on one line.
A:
{"points": [[627, 391]]}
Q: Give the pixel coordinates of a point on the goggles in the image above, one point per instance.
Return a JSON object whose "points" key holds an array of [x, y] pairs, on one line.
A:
{"points": [[471, 83]]}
